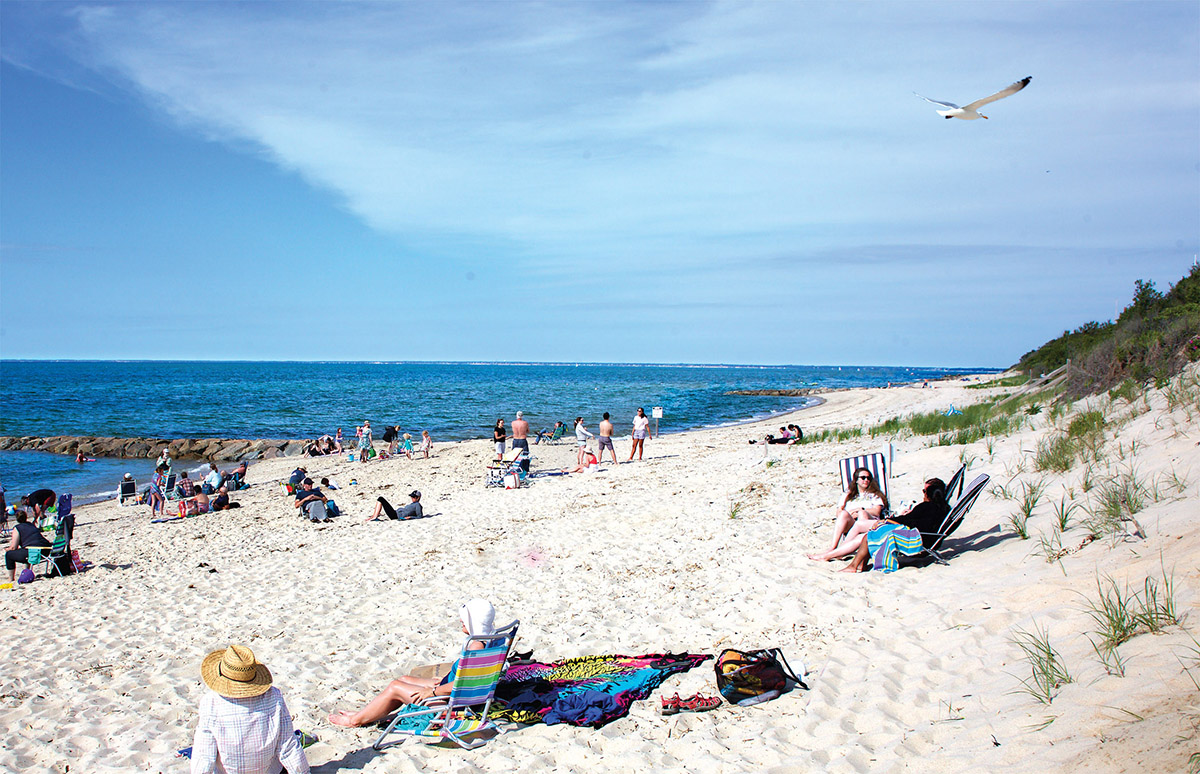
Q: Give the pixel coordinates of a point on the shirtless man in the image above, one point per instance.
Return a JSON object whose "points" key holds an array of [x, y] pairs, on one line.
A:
{"points": [[606, 428], [520, 433]]}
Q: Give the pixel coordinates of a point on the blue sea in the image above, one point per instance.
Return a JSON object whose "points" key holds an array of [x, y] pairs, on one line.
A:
{"points": [[453, 401]]}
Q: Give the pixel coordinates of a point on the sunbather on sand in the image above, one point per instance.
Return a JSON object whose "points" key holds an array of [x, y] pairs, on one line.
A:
{"points": [[925, 517], [858, 512], [590, 463], [478, 618]]}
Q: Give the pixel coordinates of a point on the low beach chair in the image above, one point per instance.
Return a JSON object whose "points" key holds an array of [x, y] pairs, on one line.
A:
{"points": [[127, 493], [876, 463], [954, 518], [465, 711], [58, 554], [497, 470], [554, 436]]}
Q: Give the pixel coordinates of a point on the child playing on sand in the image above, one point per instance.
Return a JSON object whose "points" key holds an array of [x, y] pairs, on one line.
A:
{"points": [[426, 443]]}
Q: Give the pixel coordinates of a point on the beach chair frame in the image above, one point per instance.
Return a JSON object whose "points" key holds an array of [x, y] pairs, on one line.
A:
{"points": [[511, 463], [954, 518], [458, 715], [877, 464], [127, 492], [956, 483]]}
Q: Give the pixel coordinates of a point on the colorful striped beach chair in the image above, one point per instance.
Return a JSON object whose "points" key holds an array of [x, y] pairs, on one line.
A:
{"points": [[465, 711]]}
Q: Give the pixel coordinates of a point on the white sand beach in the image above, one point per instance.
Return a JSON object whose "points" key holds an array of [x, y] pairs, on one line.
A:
{"points": [[916, 670]]}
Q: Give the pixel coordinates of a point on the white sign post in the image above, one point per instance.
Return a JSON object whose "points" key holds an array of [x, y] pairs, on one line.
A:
{"points": [[657, 413]]}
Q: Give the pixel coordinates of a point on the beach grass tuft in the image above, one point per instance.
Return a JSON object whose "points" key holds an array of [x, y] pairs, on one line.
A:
{"points": [[1115, 612], [1121, 613], [1055, 454], [1062, 512], [1126, 390], [1047, 672]]}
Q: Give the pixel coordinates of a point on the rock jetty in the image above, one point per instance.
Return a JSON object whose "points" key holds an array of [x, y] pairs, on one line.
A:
{"points": [[215, 449]]}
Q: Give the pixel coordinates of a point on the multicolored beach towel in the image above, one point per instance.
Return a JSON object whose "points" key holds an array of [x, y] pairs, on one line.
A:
{"points": [[586, 691], [887, 542]]}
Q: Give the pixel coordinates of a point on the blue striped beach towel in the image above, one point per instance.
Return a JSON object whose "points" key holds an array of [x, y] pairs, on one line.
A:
{"points": [[887, 542]]}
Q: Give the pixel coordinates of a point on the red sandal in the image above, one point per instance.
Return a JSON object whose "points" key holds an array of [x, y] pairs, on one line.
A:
{"points": [[671, 705], [699, 703]]}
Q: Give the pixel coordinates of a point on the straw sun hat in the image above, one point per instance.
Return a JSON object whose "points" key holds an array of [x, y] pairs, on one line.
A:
{"points": [[234, 673]]}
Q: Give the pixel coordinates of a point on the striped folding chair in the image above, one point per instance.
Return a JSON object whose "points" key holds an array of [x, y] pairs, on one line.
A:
{"points": [[876, 463], [465, 711]]}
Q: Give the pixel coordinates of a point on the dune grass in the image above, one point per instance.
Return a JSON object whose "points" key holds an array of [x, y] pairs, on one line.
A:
{"points": [[1047, 672]]}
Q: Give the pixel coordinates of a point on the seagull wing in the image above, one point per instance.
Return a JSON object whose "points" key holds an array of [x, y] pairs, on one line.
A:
{"points": [[950, 105], [1000, 94]]}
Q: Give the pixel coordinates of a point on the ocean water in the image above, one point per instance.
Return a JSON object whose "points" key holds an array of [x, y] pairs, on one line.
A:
{"points": [[453, 401]]}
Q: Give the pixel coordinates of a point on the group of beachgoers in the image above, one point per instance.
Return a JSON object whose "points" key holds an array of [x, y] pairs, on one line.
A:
{"points": [[862, 522], [788, 434], [210, 493], [585, 458], [398, 442]]}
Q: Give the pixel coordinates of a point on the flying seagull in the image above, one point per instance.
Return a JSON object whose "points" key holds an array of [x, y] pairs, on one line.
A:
{"points": [[970, 112]]}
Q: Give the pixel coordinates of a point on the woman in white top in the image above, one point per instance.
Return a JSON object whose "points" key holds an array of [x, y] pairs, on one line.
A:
{"points": [[641, 431], [860, 511], [581, 438]]}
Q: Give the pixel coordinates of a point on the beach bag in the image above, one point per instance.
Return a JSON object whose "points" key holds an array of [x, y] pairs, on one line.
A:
{"points": [[750, 677], [26, 576], [288, 489]]}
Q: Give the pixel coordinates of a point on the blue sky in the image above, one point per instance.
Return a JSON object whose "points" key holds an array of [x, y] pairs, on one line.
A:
{"points": [[649, 182]]}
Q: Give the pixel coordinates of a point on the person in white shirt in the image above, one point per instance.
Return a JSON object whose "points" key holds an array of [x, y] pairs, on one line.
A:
{"points": [[582, 434], [245, 726], [641, 431]]}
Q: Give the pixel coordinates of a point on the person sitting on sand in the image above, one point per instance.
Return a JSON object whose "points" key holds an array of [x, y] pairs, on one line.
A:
{"points": [[925, 518], [859, 510], [478, 620], [213, 481], [589, 464], [24, 537], [221, 501], [312, 502], [185, 487], [297, 477], [797, 435], [411, 511], [245, 725]]}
